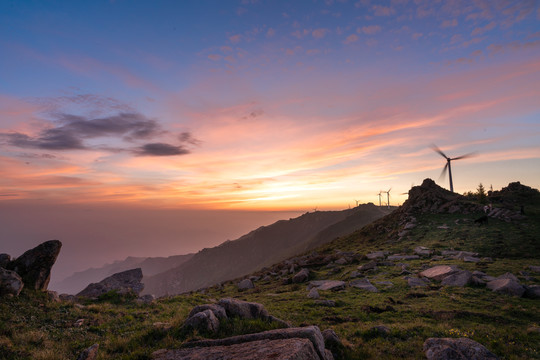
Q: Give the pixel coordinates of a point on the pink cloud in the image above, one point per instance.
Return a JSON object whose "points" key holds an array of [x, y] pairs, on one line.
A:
{"points": [[483, 29], [369, 30], [214, 57], [416, 36], [319, 33], [350, 39], [271, 32], [235, 38], [449, 23], [380, 10]]}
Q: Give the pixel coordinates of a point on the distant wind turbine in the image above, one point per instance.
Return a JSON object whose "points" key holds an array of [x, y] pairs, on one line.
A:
{"points": [[356, 202], [380, 192], [448, 165], [388, 197]]}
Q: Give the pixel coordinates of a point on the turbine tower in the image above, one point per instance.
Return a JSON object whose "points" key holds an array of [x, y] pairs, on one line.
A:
{"points": [[448, 164], [380, 192]]}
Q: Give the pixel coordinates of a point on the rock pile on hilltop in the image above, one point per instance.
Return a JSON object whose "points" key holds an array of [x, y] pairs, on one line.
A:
{"points": [[32, 269]]}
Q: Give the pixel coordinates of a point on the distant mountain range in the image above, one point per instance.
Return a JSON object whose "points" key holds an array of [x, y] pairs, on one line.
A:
{"points": [[150, 266], [262, 247]]}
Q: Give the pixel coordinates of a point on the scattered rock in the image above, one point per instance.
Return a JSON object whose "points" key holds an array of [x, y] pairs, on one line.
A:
{"points": [[460, 278], [78, 323], [53, 296], [423, 251], [508, 276], [245, 284], [471, 259], [342, 261], [204, 321], [363, 284], [376, 255], [536, 269], [416, 282], [218, 311], [301, 276], [34, 266], [507, 286], [125, 282], [313, 294], [439, 272], [380, 329], [333, 285], [532, 292], [243, 309], [89, 353], [146, 299], [10, 283], [354, 274], [372, 265], [456, 349]]}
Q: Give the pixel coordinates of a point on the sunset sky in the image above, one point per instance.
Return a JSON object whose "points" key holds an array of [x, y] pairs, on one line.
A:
{"points": [[263, 105]]}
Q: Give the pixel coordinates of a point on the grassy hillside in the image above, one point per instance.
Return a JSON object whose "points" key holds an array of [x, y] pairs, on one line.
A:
{"points": [[32, 327]]}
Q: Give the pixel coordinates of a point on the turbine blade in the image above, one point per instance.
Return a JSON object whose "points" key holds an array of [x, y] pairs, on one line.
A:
{"points": [[389, 190], [443, 173], [464, 156], [436, 149]]}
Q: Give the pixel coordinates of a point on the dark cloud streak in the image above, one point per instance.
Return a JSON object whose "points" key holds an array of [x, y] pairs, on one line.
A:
{"points": [[161, 149]]}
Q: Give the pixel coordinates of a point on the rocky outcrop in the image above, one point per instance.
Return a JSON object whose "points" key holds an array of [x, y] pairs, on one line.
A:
{"points": [[439, 272], [507, 286], [10, 283], [124, 282], [4, 260], [301, 276], [34, 266], [245, 284], [363, 284], [456, 349], [203, 321], [243, 309]]}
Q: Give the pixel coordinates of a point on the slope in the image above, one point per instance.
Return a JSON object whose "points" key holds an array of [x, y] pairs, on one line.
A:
{"points": [[261, 247]]}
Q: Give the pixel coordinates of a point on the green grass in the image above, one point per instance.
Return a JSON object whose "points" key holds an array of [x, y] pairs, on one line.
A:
{"points": [[33, 327]]}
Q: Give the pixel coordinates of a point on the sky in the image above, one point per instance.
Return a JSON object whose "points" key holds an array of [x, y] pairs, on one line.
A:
{"points": [[236, 107]]}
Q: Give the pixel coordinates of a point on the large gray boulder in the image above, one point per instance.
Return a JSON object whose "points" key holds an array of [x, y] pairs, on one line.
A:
{"points": [[245, 284], [282, 349], [10, 283], [34, 266], [334, 285], [439, 272], [204, 321], [243, 309], [363, 284], [456, 349], [125, 282]]}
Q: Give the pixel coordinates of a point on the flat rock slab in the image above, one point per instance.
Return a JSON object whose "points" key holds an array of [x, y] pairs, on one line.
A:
{"points": [[439, 272], [417, 282], [334, 285], [403, 257], [311, 333], [460, 278], [293, 349], [376, 255], [363, 284], [456, 349]]}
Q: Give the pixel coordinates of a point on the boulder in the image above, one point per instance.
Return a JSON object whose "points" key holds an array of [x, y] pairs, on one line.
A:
{"points": [[376, 255], [245, 284], [363, 284], [416, 282], [218, 311], [439, 272], [423, 251], [10, 283], [125, 282], [532, 291], [333, 285], [89, 353], [456, 349], [342, 261], [471, 259], [4, 260], [313, 294], [533, 268], [243, 309], [329, 303], [283, 349], [460, 278], [311, 333], [369, 266], [146, 299], [301, 276], [204, 321], [333, 343], [508, 276], [507, 286], [34, 266]]}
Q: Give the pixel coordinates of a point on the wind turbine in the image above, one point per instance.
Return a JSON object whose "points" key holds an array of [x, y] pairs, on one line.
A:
{"points": [[388, 197], [380, 192], [356, 202], [448, 165]]}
